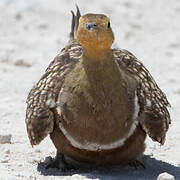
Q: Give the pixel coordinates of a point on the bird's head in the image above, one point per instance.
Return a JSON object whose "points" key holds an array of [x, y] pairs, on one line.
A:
{"points": [[94, 34]]}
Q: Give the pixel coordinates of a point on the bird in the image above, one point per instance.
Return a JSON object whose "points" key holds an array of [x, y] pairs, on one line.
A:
{"points": [[97, 103]]}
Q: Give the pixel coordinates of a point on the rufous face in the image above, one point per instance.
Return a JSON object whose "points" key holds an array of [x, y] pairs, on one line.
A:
{"points": [[94, 32]]}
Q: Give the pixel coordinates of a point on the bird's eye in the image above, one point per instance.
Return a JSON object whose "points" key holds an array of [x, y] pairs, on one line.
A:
{"points": [[90, 26], [109, 25]]}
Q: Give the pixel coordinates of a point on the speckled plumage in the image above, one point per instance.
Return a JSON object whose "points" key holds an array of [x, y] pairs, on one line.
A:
{"points": [[151, 98], [116, 95], [43, 97]]}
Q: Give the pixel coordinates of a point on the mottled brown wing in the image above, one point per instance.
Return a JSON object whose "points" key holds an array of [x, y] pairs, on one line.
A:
{"points": [[42, 97], [154, 115]]}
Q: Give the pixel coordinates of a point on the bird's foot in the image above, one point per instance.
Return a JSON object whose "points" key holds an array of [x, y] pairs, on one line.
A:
{"points": [[59, 163], [137, 164]]}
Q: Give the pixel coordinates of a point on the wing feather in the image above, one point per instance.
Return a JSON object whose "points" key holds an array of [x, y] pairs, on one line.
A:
{"points": [[43, 96], [152, 100]]}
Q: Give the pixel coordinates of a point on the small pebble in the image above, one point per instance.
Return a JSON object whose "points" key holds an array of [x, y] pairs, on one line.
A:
{"points": [[165, 176], [6, 151], [5, 139], [37, 150], [4, 160], [76, 177], [33, 160]]}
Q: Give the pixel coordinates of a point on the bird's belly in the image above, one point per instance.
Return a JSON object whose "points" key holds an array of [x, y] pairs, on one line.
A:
{"points": [[97, 116], [96, 124]]}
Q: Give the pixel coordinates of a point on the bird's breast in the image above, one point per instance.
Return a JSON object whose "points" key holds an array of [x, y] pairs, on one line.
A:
{"points": [[99, 113]]}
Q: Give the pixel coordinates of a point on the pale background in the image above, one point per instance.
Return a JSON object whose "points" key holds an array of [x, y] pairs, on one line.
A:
{"points": [[32, 32]]}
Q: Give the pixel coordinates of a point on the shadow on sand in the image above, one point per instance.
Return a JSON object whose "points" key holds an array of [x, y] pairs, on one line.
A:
{"points": [[153, 169]]}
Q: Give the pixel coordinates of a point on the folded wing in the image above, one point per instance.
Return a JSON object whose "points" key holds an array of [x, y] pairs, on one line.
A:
{"points": [[153, 116], [43, 96]]}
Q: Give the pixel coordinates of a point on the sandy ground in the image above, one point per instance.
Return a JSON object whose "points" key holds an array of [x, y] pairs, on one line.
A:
{"points": [[31, 34]]}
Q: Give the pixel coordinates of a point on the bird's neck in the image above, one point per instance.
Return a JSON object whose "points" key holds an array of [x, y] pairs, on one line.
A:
{"points": [[103, 68], [96, 60], [96, 55]]}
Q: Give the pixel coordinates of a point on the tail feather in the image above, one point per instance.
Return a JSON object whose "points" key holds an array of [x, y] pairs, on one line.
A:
{"points": [[75, 23]]}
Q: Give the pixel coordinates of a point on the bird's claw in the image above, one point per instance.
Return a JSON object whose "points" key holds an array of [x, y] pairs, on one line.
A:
{"points": [[59, 163], [137, 164]]}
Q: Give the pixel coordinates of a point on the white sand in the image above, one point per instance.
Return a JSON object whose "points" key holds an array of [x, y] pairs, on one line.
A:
{"points": [[33, 32]]}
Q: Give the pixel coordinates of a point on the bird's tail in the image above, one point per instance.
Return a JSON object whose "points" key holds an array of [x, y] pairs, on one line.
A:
{"points": [[75, 23]]}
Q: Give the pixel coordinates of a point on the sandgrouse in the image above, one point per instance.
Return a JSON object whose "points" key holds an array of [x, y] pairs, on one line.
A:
{"points": [[97, 103]]}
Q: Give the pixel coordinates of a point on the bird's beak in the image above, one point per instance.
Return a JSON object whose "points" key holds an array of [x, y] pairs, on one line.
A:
{"points": [[90, 26]]}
